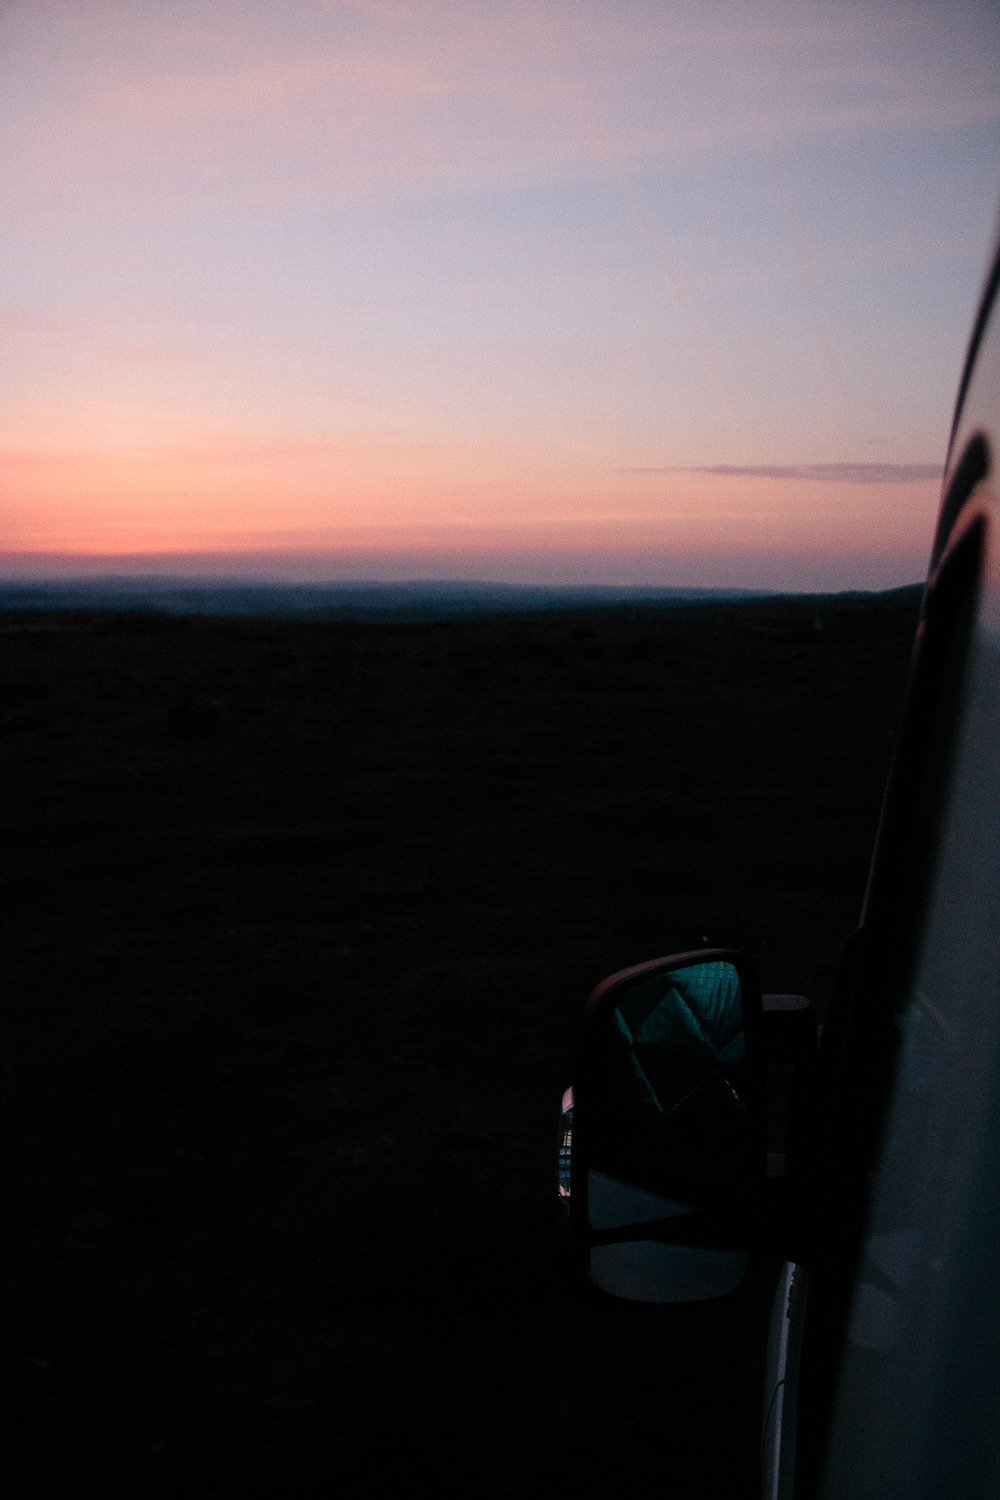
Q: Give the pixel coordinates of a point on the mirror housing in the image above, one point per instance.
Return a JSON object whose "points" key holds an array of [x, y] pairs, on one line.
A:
{"points": [[663, 1156]]}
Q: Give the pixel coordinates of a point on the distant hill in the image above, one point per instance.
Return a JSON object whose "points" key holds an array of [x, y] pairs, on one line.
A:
{"points": [[412, 600]]}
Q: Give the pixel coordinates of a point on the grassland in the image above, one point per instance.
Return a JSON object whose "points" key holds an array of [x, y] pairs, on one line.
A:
{"points": [[297, 923]]}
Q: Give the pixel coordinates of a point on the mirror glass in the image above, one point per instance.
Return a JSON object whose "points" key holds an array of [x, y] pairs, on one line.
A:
{"points": [[671, 1133], [651, 1271], [673, 1125], [663, 1171]]}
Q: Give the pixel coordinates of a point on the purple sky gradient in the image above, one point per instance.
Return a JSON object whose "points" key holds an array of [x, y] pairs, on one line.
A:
{"points": [[664, 292]]}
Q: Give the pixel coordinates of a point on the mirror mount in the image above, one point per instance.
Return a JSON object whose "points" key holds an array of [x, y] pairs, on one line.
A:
{"points": [[788, 1028]]}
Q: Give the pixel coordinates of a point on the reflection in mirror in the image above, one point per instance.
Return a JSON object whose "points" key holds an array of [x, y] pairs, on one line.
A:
{"points": [[611, 1203], [671, 1100], [566, 1147]]}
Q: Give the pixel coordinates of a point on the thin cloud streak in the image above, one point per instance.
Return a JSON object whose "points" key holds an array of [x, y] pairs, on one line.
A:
{"points": [[833, 473]]}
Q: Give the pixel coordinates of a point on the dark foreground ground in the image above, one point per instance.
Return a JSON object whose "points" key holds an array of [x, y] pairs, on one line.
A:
{"points": [[297, 923]]}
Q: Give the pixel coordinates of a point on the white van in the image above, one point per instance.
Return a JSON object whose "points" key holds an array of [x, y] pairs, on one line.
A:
{"points": [[883, 1366]]}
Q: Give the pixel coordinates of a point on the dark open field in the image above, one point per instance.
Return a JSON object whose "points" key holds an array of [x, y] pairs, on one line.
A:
{"points": [[297, 923]]}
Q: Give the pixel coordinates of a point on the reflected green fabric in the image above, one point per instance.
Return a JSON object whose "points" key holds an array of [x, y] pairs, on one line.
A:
{"points": [[675, 1075]]}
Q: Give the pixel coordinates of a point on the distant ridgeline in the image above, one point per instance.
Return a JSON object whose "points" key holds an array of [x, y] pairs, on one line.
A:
{"points": [[434, 600]]}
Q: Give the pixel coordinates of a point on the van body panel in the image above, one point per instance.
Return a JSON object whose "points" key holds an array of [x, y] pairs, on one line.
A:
{"points": [[917, 1407]]}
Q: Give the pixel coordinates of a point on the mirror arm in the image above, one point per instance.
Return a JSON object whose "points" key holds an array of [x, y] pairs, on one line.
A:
{"points": [[790, 1039], [788, 1027]]}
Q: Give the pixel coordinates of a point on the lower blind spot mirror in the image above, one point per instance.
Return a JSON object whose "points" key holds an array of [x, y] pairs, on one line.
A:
{"points": [[651, 1271], [664, 1133]]}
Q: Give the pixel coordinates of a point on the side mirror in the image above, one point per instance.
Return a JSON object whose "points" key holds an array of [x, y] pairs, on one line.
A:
{"points": [[663, 1159]]}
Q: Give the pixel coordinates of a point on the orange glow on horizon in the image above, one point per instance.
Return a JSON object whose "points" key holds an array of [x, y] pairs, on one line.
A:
{"points": [[397, 495]]}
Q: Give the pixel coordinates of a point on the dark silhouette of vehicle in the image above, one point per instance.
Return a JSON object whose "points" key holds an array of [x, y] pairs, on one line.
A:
{"points": [[883, 1360]]}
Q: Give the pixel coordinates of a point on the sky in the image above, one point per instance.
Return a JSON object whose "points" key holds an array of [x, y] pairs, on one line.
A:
{"points": [[620, 291]]}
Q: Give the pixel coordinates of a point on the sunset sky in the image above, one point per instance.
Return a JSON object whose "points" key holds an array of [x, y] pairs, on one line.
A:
{"points": [[560, 290]]}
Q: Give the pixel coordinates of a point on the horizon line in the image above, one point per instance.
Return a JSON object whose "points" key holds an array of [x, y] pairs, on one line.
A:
{"points": [[799, 570], [217, 582]]}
